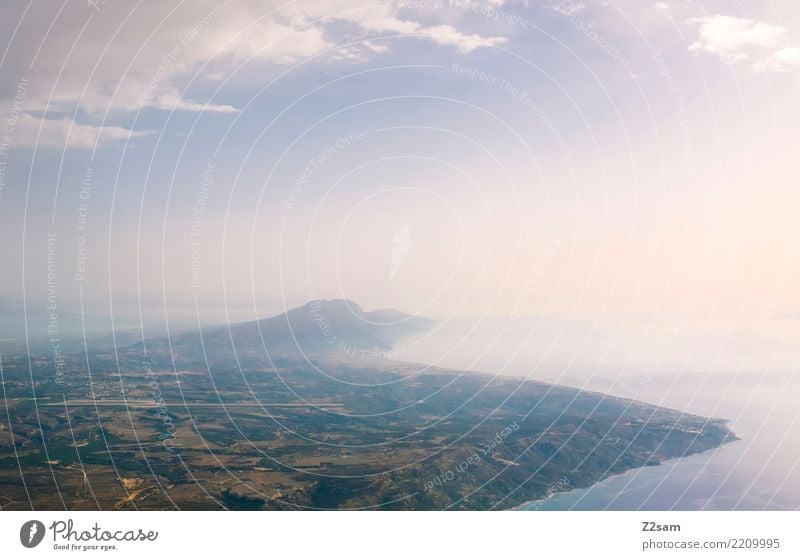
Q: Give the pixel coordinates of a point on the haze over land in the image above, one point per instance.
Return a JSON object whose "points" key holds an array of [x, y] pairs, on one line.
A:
{"points": [[674, 204], [304, 410]]}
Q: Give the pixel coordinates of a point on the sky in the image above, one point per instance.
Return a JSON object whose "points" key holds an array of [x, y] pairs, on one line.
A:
{"points": [[612, 176]]}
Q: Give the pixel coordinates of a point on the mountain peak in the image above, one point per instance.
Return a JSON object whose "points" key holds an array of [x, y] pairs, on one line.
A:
{"points": [[332, 304], [320, 327]]}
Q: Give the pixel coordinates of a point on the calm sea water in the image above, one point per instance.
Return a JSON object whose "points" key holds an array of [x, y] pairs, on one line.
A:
{"points": [[760, 472], [752, 383]]}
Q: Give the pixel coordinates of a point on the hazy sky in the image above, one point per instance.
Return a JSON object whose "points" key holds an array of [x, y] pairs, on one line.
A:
{"points": [[628, 166]]}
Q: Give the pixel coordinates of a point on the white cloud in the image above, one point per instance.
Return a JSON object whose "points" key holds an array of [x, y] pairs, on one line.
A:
{"points": [[569, 8], [359, 52], [171, 100], [784, 60], [126, 59], [741, 40], [374, 47], [733, 38], [447, 35], [268, 40], [439, 34], [64, 133], [386, 24]]}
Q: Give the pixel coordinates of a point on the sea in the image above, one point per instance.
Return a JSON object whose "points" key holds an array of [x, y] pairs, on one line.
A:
{"points": [[758, 395], [760, 471]]}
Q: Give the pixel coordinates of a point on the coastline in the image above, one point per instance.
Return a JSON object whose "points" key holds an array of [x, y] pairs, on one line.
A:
{"points": [[580, 492]]}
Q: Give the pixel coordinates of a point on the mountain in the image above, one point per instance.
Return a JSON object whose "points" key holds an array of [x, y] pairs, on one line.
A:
{"points": [[318, 328], [298, 433]]}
